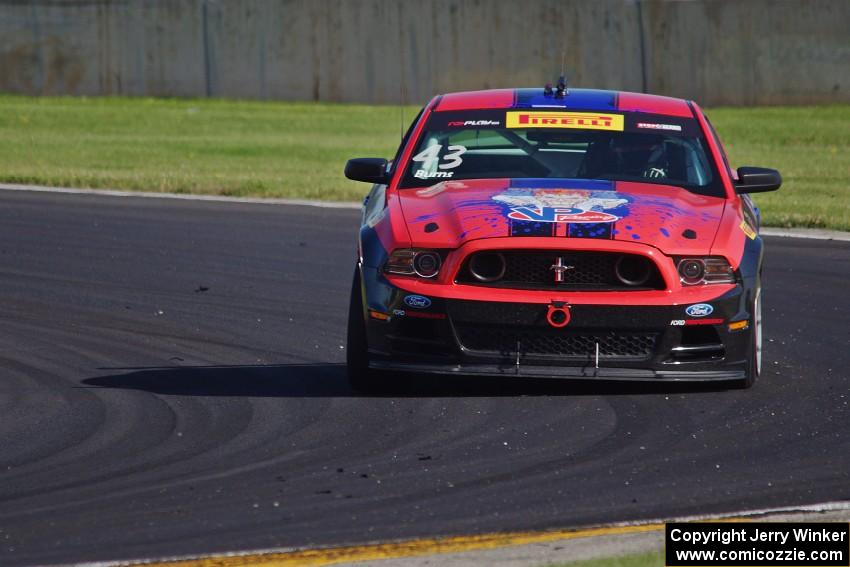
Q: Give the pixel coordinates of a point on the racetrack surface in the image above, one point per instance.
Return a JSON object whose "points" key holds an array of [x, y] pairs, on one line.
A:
{"points": [[173, 383]]}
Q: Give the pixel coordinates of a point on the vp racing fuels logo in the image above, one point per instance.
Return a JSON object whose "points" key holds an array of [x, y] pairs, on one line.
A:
{"points": [[576, 120], [559, 205]]}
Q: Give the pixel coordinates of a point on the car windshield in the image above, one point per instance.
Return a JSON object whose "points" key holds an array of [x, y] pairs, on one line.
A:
{"points": [[558, 144]]}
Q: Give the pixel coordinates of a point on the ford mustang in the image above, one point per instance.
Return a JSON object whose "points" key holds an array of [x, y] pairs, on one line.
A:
{"points": [[558, 233]]}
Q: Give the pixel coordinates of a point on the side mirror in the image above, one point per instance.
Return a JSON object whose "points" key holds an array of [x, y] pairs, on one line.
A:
{"points": [[370, 170], [757, 180]]}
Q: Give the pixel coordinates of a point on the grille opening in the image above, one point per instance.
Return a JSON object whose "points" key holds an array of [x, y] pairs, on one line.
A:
{"points": [[698, 343], [633, 270], [487, 267], [547, 342], [534, 269], [700, 335]]}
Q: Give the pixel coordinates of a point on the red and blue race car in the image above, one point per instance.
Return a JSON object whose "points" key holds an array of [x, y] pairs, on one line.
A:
{"points": [[558, 233]]}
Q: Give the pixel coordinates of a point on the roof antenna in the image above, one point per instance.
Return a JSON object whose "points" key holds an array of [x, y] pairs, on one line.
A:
{"points": [[562, 87], [562, 80], [402, 94], [402, 91]]}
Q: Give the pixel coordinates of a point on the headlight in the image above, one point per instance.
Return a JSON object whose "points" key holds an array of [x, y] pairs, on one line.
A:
{"points": [[423, 263], [426, 264], [710, 270], [691, 271]]}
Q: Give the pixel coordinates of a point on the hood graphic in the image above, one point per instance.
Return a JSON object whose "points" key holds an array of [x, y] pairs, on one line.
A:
{"points": [[448, 214]]}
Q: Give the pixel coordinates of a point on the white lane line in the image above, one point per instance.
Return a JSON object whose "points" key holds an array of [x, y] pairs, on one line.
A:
{"points": [[182, 196], [814, 233]]}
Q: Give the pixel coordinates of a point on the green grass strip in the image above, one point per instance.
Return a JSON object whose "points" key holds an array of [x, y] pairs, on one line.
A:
{"points": [[653, 559]]}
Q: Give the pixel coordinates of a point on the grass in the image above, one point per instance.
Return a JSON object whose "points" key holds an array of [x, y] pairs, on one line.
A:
{"points": [[269, 149], [285, 149], [652, 559], [810, 146]]}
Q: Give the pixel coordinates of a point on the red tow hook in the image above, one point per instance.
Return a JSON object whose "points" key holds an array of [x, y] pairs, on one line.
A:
{"points": [[558, 314]]}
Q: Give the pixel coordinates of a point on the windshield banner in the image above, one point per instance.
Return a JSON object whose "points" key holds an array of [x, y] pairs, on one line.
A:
{"points": [[636, 122]]}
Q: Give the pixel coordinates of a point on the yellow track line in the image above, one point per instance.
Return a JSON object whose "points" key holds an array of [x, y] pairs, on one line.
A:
{"points": [[331, 555]]}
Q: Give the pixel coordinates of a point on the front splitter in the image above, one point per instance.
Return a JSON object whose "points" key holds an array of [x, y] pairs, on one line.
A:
{"points": [[565, 372]]}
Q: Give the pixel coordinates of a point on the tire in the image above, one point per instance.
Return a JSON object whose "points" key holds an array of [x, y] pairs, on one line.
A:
{"points": [[360, 377], [754, 356]]}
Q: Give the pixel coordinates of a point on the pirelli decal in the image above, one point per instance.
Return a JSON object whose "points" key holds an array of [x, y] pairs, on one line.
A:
{"points": [[577, 120]]}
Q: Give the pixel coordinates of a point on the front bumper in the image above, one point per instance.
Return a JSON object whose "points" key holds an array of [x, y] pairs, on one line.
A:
{"points": [[514, 338]]}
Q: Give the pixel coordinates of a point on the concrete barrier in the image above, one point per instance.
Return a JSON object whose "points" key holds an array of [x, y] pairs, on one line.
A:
{"points": [[386, 51], [750, 52]]}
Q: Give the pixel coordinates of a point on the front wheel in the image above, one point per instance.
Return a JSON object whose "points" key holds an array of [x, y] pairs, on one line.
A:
{"points": [[360, 376], [754, 358]]}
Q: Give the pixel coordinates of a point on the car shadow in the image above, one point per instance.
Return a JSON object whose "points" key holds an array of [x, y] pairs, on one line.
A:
{"points": [[330, 381]]}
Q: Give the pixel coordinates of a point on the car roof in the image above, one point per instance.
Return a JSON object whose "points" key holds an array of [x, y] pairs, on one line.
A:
{"points": [[575, 99]]}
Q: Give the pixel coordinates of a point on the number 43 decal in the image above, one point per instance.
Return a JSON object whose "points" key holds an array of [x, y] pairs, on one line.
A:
{"points": [[431, 154]]}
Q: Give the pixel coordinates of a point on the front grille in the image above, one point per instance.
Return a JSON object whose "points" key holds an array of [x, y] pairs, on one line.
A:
{"points": [[591, 271], [506, 341], [490, 312]]}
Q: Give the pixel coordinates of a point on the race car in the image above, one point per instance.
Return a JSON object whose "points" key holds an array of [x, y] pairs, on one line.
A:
{"points": [[558, 233]]}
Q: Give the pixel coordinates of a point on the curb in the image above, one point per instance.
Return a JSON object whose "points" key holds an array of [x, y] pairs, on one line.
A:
{"points": [[181, 196]]}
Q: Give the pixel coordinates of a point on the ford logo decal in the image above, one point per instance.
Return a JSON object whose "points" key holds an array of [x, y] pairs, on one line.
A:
{"points": [[699, 310], [419, 301]]}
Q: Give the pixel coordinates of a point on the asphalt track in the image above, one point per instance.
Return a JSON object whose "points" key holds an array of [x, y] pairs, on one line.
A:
{"points": [[172, 383]]}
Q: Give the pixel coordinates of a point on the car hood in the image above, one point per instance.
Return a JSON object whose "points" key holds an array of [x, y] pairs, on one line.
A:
{"points": [[448, 214]]}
